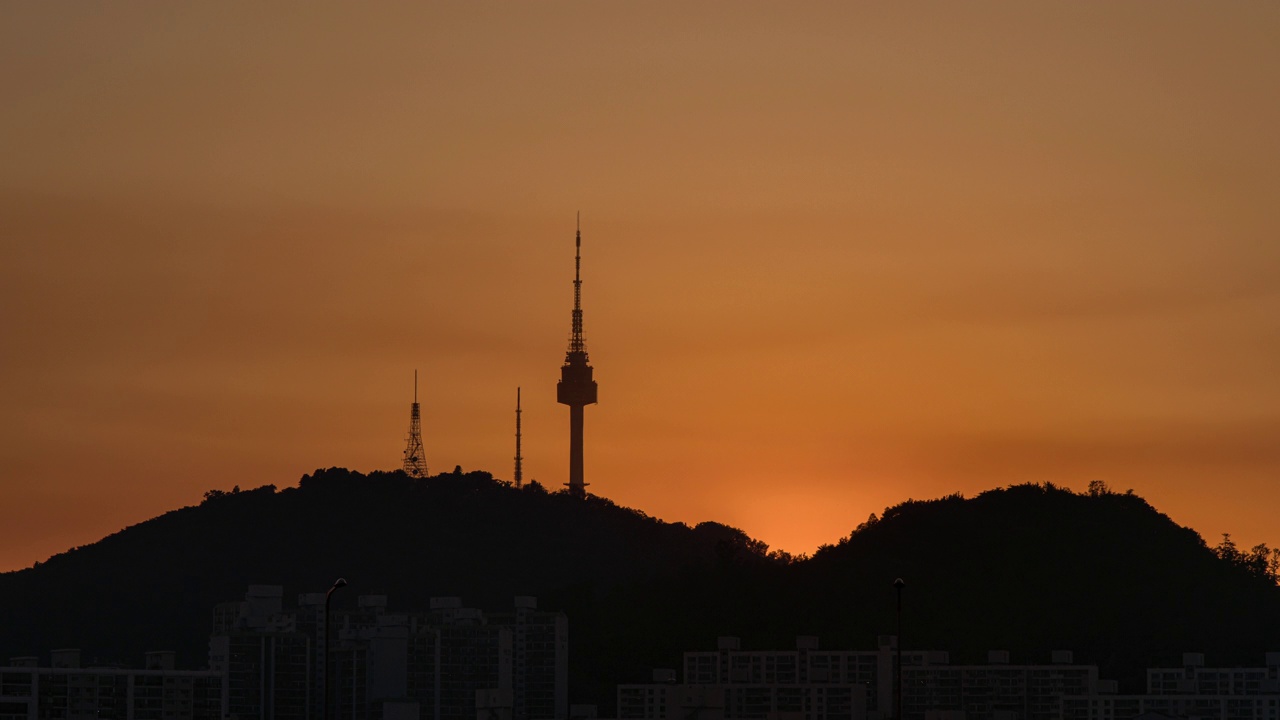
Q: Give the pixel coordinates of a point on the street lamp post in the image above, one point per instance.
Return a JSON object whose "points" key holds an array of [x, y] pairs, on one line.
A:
{"points": [[898, 584], [339, 583]]}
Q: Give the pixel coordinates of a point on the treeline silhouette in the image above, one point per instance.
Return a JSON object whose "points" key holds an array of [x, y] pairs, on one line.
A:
{"points": [[1029, 569]]}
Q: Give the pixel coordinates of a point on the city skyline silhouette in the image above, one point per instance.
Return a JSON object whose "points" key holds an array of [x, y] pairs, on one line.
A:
{"points": [[840, 257], [1004, 574]]}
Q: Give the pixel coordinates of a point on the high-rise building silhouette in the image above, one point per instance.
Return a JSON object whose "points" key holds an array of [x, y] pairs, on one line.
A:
{"points": [[69, 689], [519, 475], [445, 662], [415, 464], [576, 388]]}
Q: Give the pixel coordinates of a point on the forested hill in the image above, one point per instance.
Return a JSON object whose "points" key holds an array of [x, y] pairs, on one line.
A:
{"points": [[155, 584], [1032, 568], [1028, 569]]}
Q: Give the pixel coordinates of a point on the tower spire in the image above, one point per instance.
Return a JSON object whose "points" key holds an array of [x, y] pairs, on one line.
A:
{"points": [[519, 475], [415, 464], [577, 344], [576, 388]]}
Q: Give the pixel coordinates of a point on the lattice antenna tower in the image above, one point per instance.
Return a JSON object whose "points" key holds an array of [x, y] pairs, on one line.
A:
{"points": [[415, 463], [519, 460]]}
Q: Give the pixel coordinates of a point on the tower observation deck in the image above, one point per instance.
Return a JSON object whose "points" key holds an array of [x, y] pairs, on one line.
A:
{"points": [[576, 388]]}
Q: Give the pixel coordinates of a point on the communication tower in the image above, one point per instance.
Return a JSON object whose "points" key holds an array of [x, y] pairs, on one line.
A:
{"points": [[415, 465], [576, 388], [519, 461]]}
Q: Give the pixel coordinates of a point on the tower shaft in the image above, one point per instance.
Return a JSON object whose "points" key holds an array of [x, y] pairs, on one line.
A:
{"points": [[576, 388], [577, 483]]}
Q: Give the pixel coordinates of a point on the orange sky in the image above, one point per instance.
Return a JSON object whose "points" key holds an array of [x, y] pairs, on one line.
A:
{"points": [[834, 257]]}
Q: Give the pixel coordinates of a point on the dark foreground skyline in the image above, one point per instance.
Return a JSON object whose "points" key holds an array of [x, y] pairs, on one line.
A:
{"points": [[992, 567], [1024, 570], [447, 660]]}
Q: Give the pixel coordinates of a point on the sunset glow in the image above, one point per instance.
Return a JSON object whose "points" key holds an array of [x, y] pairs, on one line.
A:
{"points": [[833, 257]]}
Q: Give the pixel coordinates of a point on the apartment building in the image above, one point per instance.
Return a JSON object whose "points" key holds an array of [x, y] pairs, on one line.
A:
{"points": [[1194, 692], [446, 662], [65, 690], [808, 683]]}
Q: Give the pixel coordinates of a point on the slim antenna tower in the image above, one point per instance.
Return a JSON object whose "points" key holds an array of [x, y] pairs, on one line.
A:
{"points": [[519, 460], [415, 465]]}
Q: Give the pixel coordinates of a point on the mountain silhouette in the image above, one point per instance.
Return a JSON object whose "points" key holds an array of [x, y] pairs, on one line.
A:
{"points": [[1027, 569], [1032, 568]]}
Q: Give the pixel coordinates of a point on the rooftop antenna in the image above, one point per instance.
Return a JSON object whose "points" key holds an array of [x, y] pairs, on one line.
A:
{"points": [[415, 464], [519, 460]]}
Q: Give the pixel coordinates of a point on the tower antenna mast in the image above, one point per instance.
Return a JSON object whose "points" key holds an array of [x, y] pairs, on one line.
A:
{"points": [[415, 464], [519, 476], [576, 342]]}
